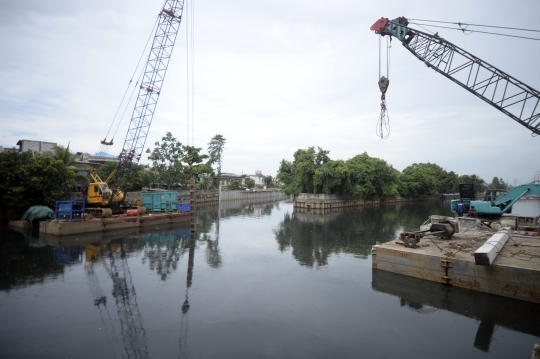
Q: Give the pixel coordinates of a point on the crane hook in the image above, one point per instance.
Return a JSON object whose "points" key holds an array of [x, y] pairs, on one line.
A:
{"points": [[383, 86]]}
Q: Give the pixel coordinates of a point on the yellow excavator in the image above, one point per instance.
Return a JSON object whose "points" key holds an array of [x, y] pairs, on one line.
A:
{"points": [[100, 198]]}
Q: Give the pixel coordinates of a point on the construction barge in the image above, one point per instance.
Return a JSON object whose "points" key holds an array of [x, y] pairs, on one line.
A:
{"points": [[64, 228], [504, 262]]}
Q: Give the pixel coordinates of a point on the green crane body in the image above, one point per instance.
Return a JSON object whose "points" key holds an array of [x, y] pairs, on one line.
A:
{"points": [[500, 205]]}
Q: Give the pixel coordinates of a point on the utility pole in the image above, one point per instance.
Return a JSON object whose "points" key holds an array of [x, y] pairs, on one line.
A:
{"points": [[193, 203]]}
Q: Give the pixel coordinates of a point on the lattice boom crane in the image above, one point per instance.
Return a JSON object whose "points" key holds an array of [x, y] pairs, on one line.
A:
{"points": [[167, 26], [507, 94], [150, 87]]}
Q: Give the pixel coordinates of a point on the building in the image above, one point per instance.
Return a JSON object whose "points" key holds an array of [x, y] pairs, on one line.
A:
{"points": [[258, 178], [35, 146], [227, 178], [96, 158]]}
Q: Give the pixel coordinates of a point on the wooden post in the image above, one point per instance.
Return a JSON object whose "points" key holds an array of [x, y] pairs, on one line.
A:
{"points": [[193, 203]]}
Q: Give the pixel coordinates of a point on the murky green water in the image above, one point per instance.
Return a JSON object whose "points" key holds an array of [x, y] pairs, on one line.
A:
{"points": [[258, 281]]}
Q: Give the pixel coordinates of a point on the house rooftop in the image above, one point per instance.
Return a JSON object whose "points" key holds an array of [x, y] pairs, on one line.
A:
{"points": [[104, 155], [21, 141], [228, 174]]}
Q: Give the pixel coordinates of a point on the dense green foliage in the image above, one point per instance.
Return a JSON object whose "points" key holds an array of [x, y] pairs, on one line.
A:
{"points": [[427, 179], [169, 168], [68, 158], [235, 185], [372, 177], [498, 183], [167, 163], [140, 177], [269, 181], [314, 172], [28, 179], [363, 176], [250, 183], [479, 184]]}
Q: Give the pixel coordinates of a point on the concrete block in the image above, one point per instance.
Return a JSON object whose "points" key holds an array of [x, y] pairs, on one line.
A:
{"points": [[486, 254]]}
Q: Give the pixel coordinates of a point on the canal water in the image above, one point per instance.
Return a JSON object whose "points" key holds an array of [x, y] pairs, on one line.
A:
{"points": [[257, 281]]}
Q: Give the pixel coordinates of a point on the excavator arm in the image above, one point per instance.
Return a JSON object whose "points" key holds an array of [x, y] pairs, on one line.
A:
{"points": [[502, 204], [507, 94], [512, 196]]}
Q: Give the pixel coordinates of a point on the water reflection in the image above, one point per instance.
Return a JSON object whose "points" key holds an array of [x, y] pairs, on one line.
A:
{"points": [[491, 311], [258, 208], [163, 250], [25, 261], [314, 236], [111, 256], [162, 292], [69, 255]]}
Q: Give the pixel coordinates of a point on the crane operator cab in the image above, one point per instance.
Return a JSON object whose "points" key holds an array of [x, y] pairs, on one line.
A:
{"points": [[466, 195], [99, 193], [492, 194]]}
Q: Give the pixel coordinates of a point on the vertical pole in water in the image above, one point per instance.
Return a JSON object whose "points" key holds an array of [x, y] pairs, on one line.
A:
{"points": [[191, 259], [193, 201]]}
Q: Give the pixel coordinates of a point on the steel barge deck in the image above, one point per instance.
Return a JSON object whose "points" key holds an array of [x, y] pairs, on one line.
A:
{"points": [[515, 272], [63, 228]]}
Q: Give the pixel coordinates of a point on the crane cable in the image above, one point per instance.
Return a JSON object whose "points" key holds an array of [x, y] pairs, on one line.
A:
{"points": [[190, 70], [104, 143], [383, 124], [465, 29], [463, 23]]}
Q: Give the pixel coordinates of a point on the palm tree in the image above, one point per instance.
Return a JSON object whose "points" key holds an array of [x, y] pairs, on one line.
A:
{"points": [[61, 153], [216, 146]]}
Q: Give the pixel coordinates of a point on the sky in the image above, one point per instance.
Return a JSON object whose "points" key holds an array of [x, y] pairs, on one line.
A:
{"points": [[272, 77]]}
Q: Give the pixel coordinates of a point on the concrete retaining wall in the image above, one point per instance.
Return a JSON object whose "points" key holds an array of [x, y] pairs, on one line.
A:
{"points": [[331, 201], [252, 195]]}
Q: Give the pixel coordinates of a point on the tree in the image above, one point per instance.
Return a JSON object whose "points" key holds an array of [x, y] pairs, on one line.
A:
{"points": [[332, 177], [427, 179], [285, 176], [167, 159], [372, 177], [479, 184], [235, 185], [250, 183], [420, 179], [141, 176], [448, 182], [314, 172], [497, 183], [202, 171], [216, 146], [269, 181], [297, 177], [69, 160], [28, 179]]}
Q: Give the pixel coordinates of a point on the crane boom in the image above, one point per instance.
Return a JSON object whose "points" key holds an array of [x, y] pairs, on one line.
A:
{"points": [[507, 94], [133, 333], [151, 84]]}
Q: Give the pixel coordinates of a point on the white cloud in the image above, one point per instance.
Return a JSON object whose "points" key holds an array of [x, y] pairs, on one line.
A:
{"points": [[271, 77]]}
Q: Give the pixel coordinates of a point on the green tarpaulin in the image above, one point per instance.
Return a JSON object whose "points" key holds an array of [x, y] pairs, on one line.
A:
{"points": [[37, 212]]}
